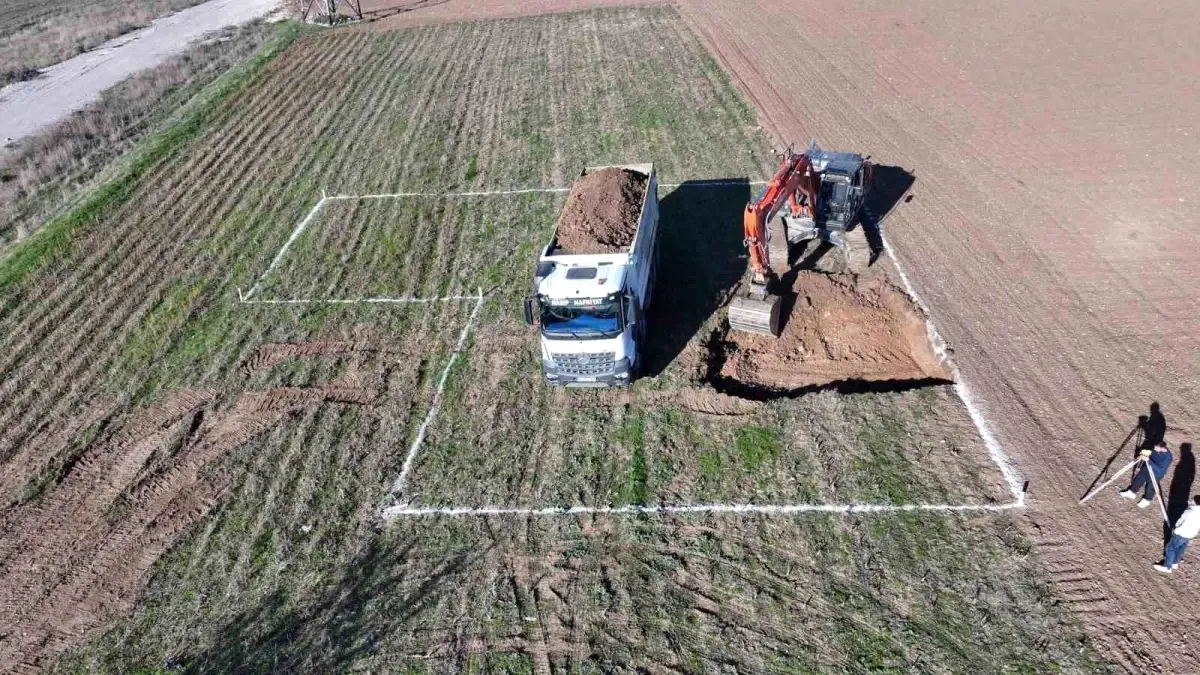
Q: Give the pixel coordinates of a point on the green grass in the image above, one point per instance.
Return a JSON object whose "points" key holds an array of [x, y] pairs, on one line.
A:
{"points": [[53, 240], [293, 571], [756, 445]]}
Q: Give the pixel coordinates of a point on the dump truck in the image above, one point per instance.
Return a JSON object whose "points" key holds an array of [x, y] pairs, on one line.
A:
{"points": [[594, 280]]}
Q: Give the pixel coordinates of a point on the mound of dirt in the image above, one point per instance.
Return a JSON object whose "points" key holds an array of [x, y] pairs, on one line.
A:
{"points": [[840, 328], [601, 213]]}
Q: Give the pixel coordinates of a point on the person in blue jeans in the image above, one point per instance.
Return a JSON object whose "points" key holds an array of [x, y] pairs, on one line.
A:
{"points": [[1158, 460], [1186, 529]]}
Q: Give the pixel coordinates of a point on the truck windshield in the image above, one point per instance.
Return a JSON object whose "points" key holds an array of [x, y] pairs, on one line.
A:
{"points": [[587, 322]]}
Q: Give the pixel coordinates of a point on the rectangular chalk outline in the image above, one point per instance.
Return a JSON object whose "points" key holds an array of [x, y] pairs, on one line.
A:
{"points": [[397, 508]]}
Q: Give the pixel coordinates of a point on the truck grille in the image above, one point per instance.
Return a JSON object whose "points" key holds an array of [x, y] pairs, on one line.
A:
{"points": [[585, 364]]}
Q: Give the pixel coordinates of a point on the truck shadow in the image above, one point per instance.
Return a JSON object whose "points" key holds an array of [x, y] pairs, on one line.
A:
{"points": [[700, 259]]}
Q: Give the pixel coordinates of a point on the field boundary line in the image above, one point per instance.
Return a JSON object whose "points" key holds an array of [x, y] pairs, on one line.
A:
{"points": [[299, 229], [1001, 459], [398, 485], [634, 509], [404, 300], [524, 191], [247, 298]]}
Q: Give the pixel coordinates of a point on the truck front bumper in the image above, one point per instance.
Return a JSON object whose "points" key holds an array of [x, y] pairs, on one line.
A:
{"points": [[619, 376]]}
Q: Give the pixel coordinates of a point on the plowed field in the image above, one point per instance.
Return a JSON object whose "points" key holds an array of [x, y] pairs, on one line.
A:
{"points": [[195, 482], [1052, 233]]}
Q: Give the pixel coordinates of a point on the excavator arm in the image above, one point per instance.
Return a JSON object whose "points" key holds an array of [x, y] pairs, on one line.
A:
{"points": [[795, 185]]}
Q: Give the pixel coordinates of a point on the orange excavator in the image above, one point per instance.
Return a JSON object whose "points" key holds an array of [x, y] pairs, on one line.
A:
{"points": [[814, 195]]}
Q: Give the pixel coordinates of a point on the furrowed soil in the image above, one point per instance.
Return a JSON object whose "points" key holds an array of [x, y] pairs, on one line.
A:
{"points": [[1057, 264], [235, 457], [602, 212], [838, 328], [1068, 299]]}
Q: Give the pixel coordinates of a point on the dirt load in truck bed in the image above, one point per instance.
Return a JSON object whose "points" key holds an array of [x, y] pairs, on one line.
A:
{"points": [[601, 213]]}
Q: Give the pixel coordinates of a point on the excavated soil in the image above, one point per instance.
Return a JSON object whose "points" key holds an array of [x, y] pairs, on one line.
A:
{"points": [[841, 328], [601, 213]]}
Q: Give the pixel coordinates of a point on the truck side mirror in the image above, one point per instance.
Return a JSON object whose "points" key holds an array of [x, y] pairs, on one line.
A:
{"points": [[634, 312], [531, 305]]}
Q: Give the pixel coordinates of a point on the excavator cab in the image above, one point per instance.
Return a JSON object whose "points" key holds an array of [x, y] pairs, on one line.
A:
{"points": [[845, 178], [813, 195]]}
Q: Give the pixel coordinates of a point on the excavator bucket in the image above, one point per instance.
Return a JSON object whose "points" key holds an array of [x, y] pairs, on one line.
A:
{"points": [[755, 313]]}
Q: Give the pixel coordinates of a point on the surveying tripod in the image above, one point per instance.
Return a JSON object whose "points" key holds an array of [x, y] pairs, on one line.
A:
{"points": [[1143, 463]]}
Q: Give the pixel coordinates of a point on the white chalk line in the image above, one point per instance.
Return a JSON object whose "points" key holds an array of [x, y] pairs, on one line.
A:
{"points": [[283, 251], [398, 485], [303, 225], [995, 451], [525, 191], [407, 300], [633, 509], [938, 344]]}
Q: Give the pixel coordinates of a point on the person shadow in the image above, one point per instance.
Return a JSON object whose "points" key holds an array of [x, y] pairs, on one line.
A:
{"points": [[1153, 427], [1179, 495], [1150, 430]]}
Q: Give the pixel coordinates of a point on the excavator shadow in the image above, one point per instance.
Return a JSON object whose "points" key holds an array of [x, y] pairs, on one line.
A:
{"points": [[889, 185], [700, 258]]}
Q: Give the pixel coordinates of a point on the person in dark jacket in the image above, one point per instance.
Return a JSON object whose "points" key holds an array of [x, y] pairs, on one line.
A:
{"points": [[1157, 460]]}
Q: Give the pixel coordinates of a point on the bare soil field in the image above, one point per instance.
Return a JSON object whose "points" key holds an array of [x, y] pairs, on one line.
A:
{"points": [[244, 451]]}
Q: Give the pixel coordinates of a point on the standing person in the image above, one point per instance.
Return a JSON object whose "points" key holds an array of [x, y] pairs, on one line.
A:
{"points": [[1157, 460], [1186, 529]]}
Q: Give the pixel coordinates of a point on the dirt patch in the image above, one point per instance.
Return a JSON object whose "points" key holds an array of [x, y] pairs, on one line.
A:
{"points": [[840, 328], [272, 354], [703, 400], [601, 213], [73, 559]]}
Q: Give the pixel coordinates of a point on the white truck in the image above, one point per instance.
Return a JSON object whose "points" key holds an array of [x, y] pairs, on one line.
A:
{"points": [[591, 306]]}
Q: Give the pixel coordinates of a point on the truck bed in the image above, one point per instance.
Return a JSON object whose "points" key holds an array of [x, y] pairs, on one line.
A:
{"points": [[602, 212]]}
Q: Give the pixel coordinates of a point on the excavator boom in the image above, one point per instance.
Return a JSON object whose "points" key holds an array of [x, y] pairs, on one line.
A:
{"points": [[795, 184]]}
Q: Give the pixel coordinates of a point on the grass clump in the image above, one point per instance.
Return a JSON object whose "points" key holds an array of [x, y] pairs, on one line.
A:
{"points": [[756, 445]]}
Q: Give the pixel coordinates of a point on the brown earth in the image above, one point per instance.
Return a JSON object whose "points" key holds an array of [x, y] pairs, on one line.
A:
{"points": [[273, 353], [840, 328], [602, 212], [1051, 234]]}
